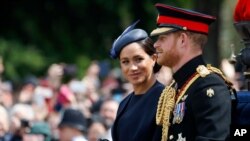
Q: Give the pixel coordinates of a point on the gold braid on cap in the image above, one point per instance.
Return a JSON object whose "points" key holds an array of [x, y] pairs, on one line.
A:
{"points": [[164, 109]]}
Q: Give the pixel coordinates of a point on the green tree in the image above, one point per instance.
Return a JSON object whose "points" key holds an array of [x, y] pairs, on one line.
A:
{"points": [[42, 32]]}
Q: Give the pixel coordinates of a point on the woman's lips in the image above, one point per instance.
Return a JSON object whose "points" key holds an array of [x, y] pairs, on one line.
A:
{"points": [[135, 75]]}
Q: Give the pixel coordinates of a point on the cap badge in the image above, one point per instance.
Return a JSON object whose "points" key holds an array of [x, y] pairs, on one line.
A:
{"points": [[210, 92]]}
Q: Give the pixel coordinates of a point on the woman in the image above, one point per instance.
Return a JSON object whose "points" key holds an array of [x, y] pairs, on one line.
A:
{"points": [[135, 119]]}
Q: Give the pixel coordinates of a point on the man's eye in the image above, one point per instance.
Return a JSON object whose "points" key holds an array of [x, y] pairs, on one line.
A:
{"points": [[161, 38]]}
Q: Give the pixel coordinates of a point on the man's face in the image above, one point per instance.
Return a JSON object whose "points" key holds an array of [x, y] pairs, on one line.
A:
{"points": [[167, 50], [33, 137], [108, 111], [66, 133]]}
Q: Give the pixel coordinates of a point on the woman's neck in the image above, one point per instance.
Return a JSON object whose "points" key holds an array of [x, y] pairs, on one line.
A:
{"points": [[144, 87]]}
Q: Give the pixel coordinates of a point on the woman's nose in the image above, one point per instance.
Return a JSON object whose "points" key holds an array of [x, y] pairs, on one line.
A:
{"points": [[133, 67]]}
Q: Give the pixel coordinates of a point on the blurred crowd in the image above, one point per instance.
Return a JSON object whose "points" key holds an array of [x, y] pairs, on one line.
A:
{"points": [[35, 111]]}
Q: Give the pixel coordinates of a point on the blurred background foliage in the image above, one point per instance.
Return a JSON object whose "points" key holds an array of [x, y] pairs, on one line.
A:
{"points": [[37, 33]]}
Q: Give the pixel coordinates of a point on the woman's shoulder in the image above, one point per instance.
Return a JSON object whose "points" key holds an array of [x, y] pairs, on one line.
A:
{"points": [[126, 98], [158, 86]]}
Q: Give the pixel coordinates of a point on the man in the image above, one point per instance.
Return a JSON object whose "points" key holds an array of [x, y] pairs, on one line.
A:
{"points": [[39, 131], [200, 109], [72, 126], [108, 113]]}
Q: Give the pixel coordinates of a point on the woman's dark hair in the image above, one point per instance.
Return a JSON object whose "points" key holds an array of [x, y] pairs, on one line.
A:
{"points": [[148, 47]]}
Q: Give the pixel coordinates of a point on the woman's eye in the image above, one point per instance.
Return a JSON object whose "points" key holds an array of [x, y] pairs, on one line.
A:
{"points": [[124, 62], [138, 59]]}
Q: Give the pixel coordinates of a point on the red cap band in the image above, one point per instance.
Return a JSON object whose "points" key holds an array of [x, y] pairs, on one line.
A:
{"points": [[190, 25]]}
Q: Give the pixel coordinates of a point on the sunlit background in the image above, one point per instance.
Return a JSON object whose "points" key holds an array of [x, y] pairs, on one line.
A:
{"points": [[35, 34]]}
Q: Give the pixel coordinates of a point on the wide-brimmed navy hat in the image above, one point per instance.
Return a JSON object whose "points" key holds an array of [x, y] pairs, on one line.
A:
{"points": [[129, 35], [74, 118]]}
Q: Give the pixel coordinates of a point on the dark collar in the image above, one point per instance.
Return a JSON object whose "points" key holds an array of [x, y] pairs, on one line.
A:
{"points": [[187, 70]]}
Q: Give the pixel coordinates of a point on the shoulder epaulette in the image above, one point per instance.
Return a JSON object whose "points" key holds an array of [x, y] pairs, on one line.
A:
{"points": [[202, 71], [220, 73]]}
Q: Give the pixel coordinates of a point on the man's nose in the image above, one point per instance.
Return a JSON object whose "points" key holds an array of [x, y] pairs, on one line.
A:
{"points": [[156, 44]]}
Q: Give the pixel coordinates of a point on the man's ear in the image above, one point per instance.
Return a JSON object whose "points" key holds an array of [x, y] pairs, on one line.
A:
{"points": [[183, 40]]}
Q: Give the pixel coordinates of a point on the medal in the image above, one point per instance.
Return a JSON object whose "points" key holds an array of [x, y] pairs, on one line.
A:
{"points": [[179, 113]]}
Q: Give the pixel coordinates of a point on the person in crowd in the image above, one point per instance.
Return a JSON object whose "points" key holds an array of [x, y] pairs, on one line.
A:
{"points": [[6, 88], [97, 129], [73, 126], [39, 131], [108, 112], [92, 82], [4, 125], [27, 90], [135, 120], [53, 120], [54, 75], [197, 105], [66, 97], [21, 116]]}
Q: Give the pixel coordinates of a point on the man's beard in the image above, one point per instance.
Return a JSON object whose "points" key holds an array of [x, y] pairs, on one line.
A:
{"points": [[170, 58]]}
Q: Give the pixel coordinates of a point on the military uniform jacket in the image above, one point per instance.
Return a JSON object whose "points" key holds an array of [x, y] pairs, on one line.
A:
{"points": [[204, 111]]}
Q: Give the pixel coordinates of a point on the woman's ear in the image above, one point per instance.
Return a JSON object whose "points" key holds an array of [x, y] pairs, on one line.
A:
{"points": [[154, 57]]}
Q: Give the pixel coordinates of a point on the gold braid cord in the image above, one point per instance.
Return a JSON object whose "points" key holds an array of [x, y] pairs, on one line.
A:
{"points": [[164, 109], [220, 73]]}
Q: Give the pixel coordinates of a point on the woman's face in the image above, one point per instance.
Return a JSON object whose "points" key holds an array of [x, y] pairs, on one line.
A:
{"points": [[136, 64]]}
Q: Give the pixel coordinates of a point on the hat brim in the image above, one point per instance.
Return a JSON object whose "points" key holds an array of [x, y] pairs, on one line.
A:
{"points": [[162, 30], [73, 125]]}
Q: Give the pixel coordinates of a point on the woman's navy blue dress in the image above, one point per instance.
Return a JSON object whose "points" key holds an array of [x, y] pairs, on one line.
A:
{"points": [[136, 119]]}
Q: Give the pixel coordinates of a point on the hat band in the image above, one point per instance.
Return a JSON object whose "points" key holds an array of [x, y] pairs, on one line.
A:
{"points": [[190, 25]]}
